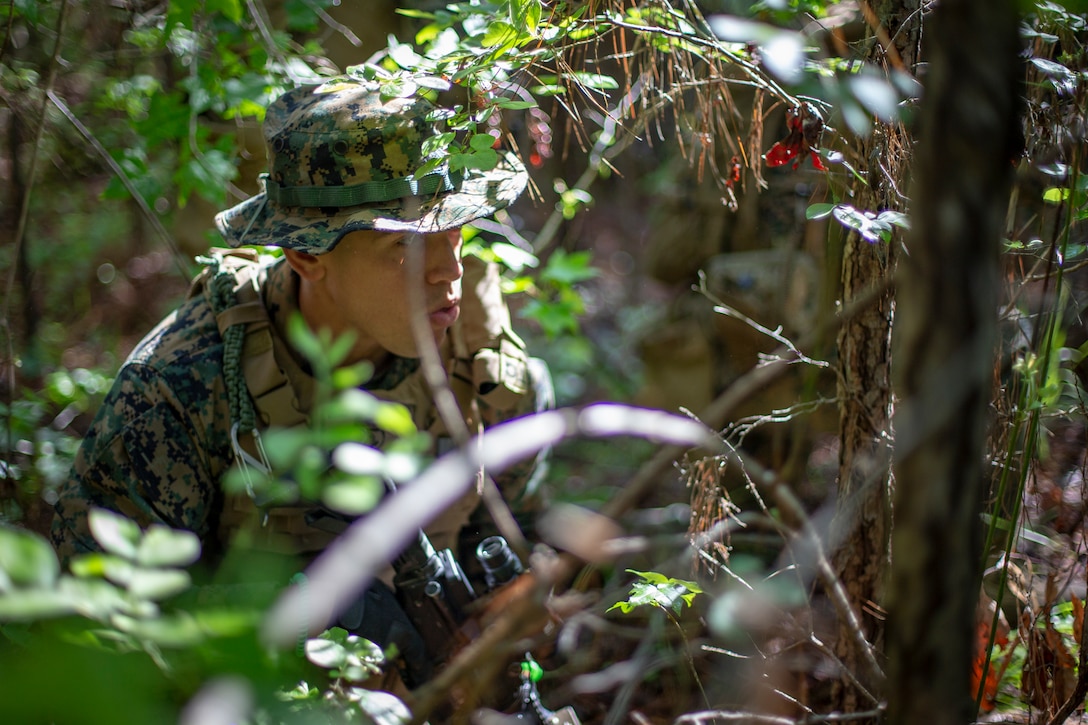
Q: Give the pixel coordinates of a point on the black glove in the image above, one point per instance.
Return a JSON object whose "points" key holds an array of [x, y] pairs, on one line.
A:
{"points": [[377, 616]]}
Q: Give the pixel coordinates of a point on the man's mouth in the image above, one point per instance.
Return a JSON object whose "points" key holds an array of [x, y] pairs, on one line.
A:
{"points": [[445, 315]]}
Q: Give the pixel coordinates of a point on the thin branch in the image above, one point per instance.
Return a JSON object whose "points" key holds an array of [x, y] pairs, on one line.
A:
{"points": [[802, 528], [648, 478], [153, 218], [750, 69], [776, 334], [747, 717], [446, 404], [264, 27], [332, 22], [605, 147]]}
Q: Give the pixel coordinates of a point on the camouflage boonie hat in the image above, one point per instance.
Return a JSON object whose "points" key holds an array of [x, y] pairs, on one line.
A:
{"points": [[342, 158]]}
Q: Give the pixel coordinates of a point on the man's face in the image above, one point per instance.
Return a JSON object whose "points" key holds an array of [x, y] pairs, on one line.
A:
{"points": [[365, 285]]}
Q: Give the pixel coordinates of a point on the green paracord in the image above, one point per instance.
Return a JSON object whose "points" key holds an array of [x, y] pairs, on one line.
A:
{"points": [[221, 297]]}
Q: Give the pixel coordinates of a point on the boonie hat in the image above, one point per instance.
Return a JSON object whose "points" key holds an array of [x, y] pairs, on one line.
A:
{"points": [[343, 158]]}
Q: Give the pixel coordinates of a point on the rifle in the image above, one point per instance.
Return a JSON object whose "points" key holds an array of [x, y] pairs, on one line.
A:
{"points": [[439, 600], [437, 596]]}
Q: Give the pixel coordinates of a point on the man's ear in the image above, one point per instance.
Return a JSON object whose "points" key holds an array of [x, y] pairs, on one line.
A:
{"points": [[309, 267]]}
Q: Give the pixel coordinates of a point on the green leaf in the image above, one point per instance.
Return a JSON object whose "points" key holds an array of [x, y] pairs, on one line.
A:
{"points": [[26, 559], [383, 708], [351, 377], [163, 546], [1056, 194], [98, 599], [417, 14], [660, 591], [352, 404], [818, 211], [353, 496], [484, 160], [116, 569], [398, 87], [303, 339], [554, 318], [549, 89], [597, 81], [231, 9], [437, 143], [525, 15], [326, 653], [876, 94], [514, 105], [178, 631], [340, 348], [864, 223], [895, 218], [735, 29], [404, 55], [565, 268], [515, 258], [156, 584], [115, 533], [395, 418], [501, 35], [358, 459], [481, 142], [27, 605]]}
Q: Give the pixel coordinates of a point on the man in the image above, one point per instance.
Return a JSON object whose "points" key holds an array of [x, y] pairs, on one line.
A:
{"points": [[343, 202]]}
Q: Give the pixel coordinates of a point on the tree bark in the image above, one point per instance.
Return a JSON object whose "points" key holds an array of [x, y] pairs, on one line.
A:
{"points": [[947, 302], [862, 527]]}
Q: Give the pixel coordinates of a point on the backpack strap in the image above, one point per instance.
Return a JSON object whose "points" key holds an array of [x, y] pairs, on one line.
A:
{"points": [[267, 383]]}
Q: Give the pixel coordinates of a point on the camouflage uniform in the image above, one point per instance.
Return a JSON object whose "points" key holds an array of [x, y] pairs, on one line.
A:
{"points": [[161, 441], [341, 159]]}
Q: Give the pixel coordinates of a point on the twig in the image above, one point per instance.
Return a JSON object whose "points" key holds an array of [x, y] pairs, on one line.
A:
{"points": [[747, 717], [830, 654], [339, 27], [257, 12], [721, 308], [640, 659], [890, 51], [749, 68], [719, 411], [127, 182], [449, 410], [803, 528], [605, 147]]}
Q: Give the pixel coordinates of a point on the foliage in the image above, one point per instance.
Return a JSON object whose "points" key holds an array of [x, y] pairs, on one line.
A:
{"points": [[870, 226], [168, 107], [119, 602], [658, 590], [37, 456], [345, 419]]}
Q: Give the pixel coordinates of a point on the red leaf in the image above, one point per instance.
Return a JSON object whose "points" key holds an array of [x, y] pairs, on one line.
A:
{"points": [[781, 154]]}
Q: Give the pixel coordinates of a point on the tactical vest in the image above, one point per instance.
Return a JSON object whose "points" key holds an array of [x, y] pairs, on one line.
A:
{"points": [[484, 360]]}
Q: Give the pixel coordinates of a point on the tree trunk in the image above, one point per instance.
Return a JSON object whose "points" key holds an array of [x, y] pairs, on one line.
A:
{"points": [[946, 329], [862, 527]]}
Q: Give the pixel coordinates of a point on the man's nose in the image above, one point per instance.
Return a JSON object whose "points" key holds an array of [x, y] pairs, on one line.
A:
{"points": [[443, 257]]}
